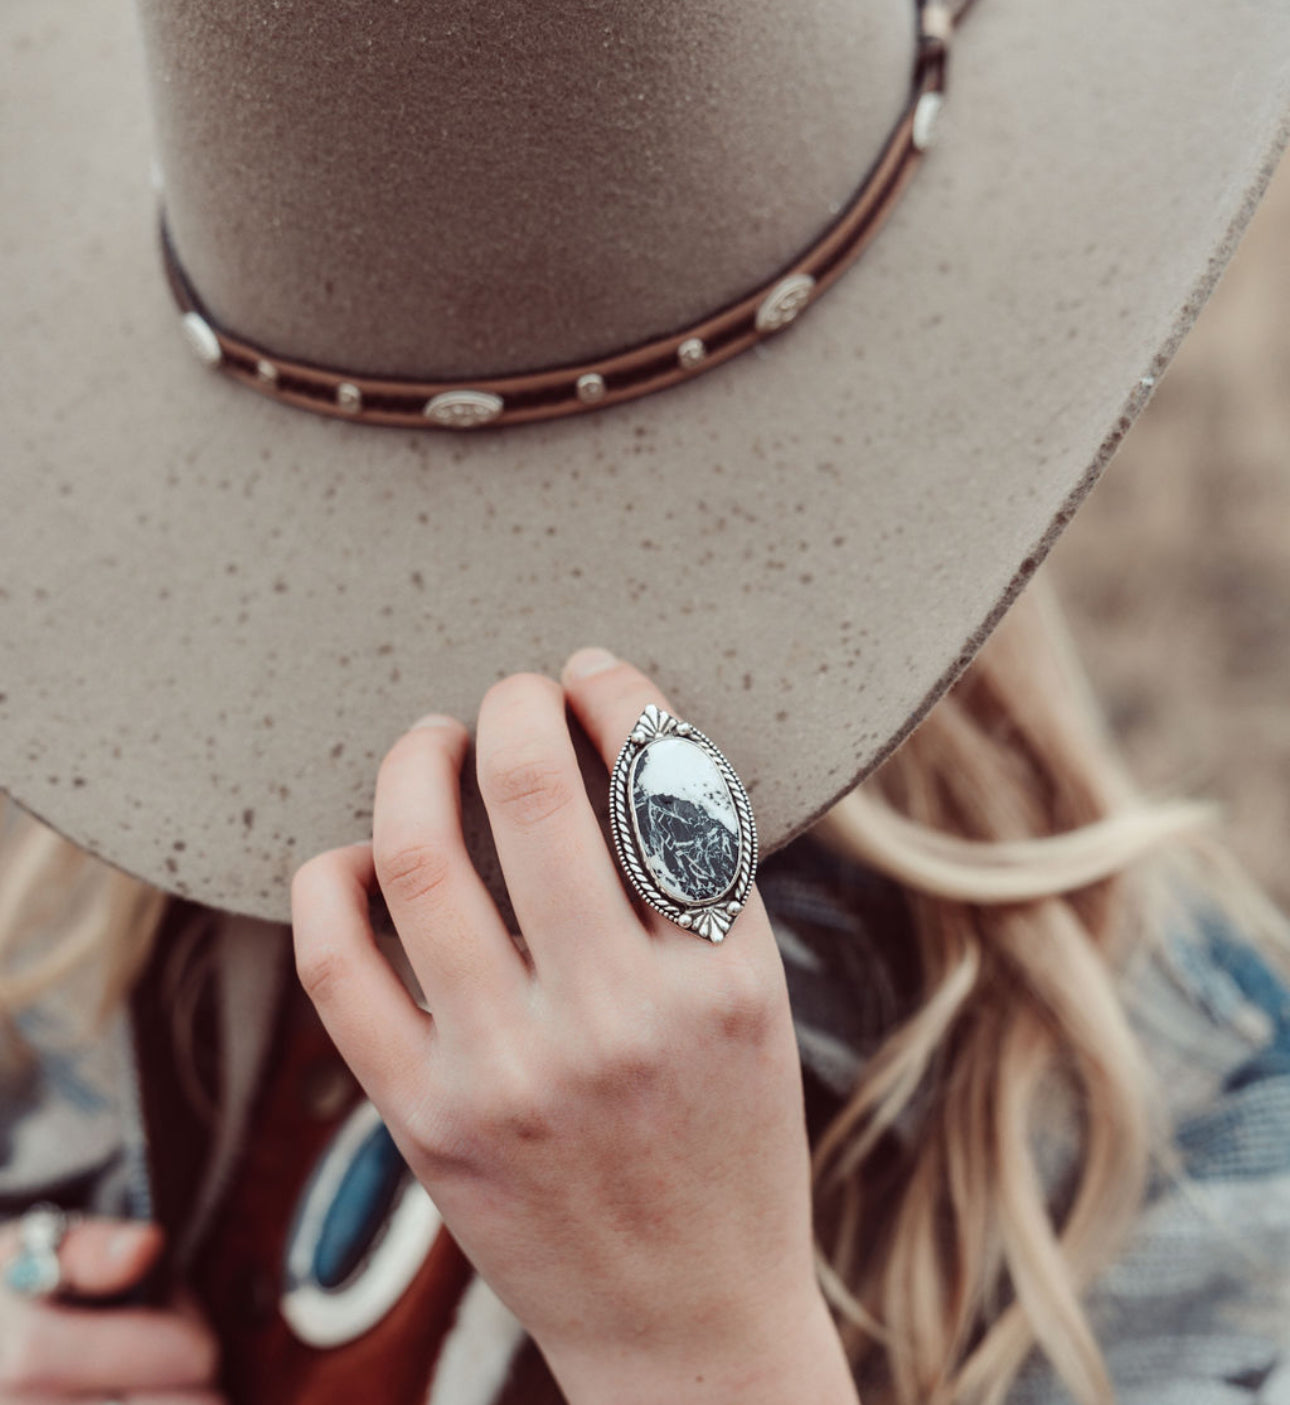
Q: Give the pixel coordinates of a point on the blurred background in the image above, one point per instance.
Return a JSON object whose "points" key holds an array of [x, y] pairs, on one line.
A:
{"points": [[1176, 571]]}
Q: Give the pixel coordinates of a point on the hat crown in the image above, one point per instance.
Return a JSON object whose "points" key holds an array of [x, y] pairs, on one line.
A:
{"points": [[442, 189]]}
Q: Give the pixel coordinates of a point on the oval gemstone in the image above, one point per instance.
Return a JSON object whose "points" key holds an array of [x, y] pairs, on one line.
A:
{"points": [[685, 820]]}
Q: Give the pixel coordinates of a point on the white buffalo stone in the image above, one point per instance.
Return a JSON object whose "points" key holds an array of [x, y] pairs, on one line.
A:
{"points": [[685, 820]]}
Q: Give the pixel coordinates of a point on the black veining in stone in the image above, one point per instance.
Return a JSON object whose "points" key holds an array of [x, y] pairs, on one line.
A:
{"points": [[685, 820]]}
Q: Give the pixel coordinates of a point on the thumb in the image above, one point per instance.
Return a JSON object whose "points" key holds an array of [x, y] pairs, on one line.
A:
{"points": [[99, 1257]]}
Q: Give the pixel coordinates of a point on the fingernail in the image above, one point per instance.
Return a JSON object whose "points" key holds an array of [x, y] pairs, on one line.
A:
{"points": [[434, 719], [588, 661]]}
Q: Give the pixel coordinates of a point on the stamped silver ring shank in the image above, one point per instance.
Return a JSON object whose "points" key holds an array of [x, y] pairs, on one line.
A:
{"points": [[682, 824]]}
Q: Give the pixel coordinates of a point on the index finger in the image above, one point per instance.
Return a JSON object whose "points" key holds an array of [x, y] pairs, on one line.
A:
{"points": [[366, 1009]]}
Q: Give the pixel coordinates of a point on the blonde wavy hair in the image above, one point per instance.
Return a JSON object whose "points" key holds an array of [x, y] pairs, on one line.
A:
{"points": [[64, 913], [1034, 869], [1025, 851]]}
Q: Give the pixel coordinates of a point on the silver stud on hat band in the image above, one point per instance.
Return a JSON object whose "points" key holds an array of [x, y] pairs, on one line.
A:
{"points": [[784, 302], [591, 388], [200, 335], [463, 409], [691, 353], [926, 116], [349, 397], [936, 21]]}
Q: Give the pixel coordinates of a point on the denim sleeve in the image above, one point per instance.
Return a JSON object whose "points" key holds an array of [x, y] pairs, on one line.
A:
{"points": [[1196, 1311]]}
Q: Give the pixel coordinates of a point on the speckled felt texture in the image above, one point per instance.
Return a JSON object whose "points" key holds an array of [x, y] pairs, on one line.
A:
{"points": [[217, 613]]}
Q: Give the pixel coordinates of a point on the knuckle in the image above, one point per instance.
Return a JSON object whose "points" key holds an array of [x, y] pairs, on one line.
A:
{"points": [[519, 1111], [616, 1054], [435, 1131], [628, 1063], [414, 871], [465, 1132], [528, 787], [513, 1091], [743, 1003], [321, 970], [531, 1124]]}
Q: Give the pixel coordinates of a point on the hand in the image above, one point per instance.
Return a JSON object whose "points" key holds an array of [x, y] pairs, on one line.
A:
{"points": [[614, 1133], [52, 1352]]}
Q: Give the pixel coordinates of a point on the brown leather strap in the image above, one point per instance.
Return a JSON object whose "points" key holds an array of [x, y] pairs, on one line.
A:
{"points": [[654, 366]]}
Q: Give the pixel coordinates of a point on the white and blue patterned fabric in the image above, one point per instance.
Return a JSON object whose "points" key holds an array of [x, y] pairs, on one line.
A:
{"points": [[1196, 1310]]}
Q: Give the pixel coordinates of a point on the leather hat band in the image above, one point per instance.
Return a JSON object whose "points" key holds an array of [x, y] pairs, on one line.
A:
{"points": [[608, 380]]}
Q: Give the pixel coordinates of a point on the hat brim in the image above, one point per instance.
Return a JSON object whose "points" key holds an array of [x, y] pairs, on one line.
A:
{"points": [[216, 613]]}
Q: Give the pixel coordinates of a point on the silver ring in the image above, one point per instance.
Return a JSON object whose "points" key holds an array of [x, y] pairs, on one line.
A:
{"points": [[34, 1271], [682, 824]]}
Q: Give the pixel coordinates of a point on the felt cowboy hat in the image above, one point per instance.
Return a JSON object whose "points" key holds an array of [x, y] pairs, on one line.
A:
{"points": [[534, 266]]}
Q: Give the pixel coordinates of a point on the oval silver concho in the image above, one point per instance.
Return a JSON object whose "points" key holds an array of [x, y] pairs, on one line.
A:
{"points": [[363, 1228], [682, 825]]}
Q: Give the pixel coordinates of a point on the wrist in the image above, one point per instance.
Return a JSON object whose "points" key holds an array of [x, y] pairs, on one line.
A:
{"points": [[792, 1355]]}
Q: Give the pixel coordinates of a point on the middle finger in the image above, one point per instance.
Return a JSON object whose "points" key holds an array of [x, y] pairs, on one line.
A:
{"points": [[451, 930], [562, 881]]}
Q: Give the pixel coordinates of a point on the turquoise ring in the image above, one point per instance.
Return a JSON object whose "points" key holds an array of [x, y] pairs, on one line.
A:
{"points": [[34, 1270]]}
